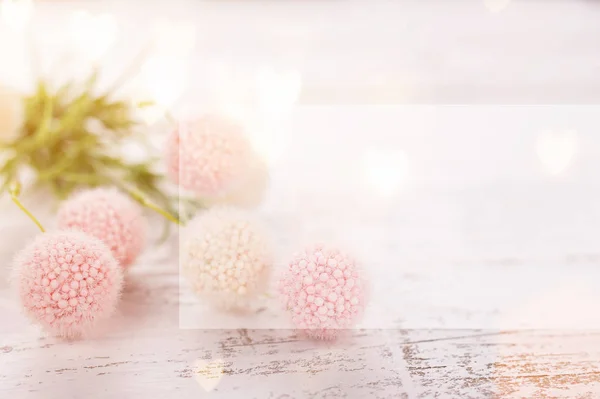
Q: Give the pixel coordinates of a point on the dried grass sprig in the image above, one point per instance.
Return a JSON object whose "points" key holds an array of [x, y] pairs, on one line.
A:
{"points": [[70, 139]]}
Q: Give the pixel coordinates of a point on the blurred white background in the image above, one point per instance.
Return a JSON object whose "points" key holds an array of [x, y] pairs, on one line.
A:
{"points": [[453, 145], [474, 51]]}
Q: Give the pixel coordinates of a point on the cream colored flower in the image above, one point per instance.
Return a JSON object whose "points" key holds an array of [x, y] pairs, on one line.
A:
{"points": [[226, 255], [11, 114]]}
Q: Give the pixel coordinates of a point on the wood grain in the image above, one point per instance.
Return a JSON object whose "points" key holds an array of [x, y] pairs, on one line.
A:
{"points": [[144, 353]]}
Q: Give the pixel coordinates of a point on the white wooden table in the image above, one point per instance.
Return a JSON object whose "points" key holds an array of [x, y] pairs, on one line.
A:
{"points": [[146, 354], [479, 224]]}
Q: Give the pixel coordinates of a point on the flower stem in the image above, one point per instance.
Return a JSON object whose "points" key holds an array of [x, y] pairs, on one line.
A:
{"points": [[148, 204], [159, 210], [14, 194]]}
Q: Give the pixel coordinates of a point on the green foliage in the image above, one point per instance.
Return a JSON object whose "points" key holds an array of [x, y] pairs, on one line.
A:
{"points": [[70, 139]]}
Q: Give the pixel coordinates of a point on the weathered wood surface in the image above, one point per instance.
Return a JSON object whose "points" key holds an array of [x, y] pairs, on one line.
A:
{"points": [[143, 353]]}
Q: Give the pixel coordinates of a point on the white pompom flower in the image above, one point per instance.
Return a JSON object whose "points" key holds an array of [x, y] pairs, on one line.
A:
{"points": [[226, 257], [11, 114]]}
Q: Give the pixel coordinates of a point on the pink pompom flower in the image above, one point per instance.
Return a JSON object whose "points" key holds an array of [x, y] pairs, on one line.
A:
{"points": [[324, 291], [208, 156], [109, 215], [67, 281]]}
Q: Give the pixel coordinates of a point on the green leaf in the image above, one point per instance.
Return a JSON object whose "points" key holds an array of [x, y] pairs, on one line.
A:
{"points": [[66, 151], [44, 126]]}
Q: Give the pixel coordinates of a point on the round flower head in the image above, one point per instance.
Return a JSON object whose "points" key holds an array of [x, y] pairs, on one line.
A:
{"points": [[226, 257], [109, 215], [67, 281], [324, 292], [208, 156]]}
